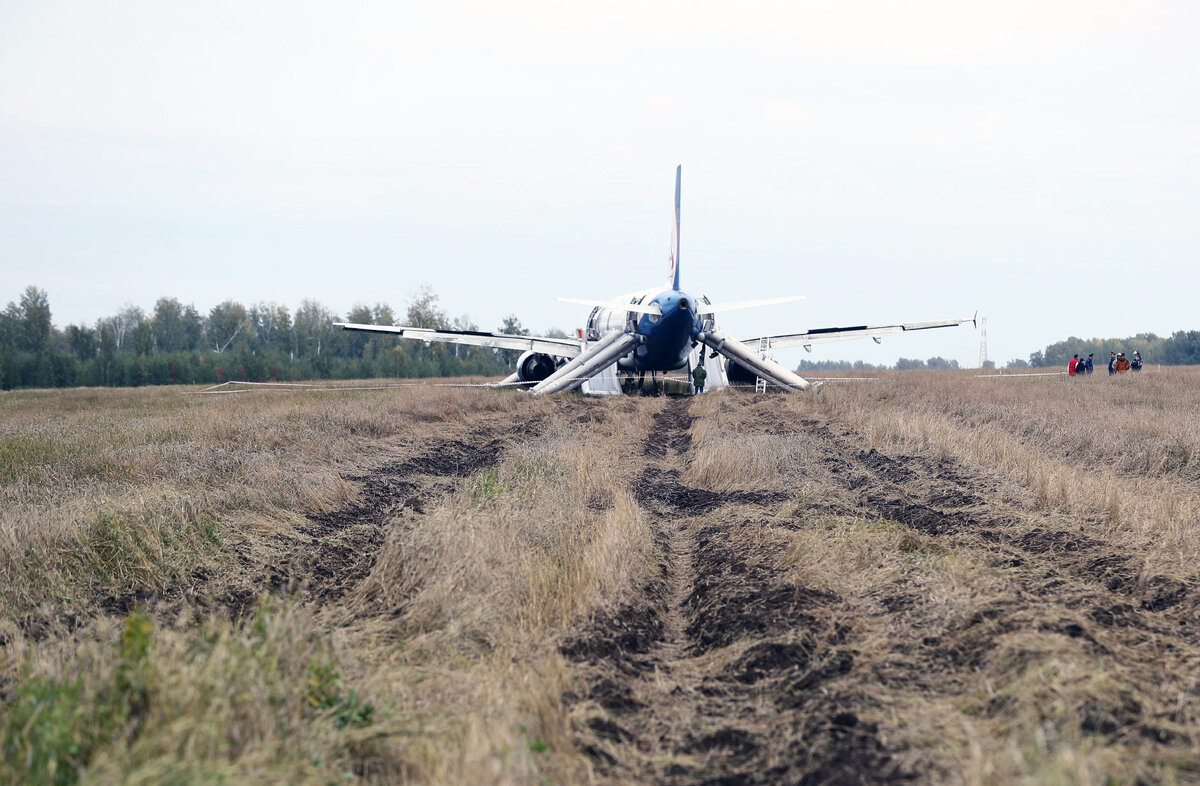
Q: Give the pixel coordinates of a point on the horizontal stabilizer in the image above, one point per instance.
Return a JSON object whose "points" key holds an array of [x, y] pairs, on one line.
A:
{"points": [[720, 308], [823, 335], [643, 308], [558, 347]]}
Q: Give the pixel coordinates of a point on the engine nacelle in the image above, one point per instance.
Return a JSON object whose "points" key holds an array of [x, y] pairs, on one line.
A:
{"points": [[535, 366], [739, 374]]}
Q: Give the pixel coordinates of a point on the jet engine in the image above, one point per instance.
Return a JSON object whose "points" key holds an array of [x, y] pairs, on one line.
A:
{"points": [[739, 374], [535, 366]]}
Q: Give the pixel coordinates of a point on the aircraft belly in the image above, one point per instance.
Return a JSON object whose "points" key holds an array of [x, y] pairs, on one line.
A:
{"points": [[660, 361]]}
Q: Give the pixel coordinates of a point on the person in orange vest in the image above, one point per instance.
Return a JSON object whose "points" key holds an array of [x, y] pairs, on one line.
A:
{"points": [[1071, 366], [1122, 363]]}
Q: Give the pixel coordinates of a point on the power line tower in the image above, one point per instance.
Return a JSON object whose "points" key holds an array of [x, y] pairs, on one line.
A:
{"points": [[982, 341]]}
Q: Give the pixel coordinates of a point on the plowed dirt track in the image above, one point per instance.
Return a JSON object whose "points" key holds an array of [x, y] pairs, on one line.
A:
{"points": [[727, 670], [737, 588]]}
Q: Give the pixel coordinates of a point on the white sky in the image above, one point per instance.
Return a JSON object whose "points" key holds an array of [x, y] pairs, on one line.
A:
{"points": [[1038, 162]]}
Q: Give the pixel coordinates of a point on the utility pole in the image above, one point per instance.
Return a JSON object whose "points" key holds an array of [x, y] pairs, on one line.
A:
{"points": [[982, 341]]}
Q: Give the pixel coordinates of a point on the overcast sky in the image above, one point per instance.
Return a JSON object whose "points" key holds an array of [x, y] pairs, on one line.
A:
{"points": [[1036, 161]]}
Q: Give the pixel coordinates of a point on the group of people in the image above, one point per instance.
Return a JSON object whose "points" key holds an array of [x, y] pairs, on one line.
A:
{"points": [[1117, 364]]}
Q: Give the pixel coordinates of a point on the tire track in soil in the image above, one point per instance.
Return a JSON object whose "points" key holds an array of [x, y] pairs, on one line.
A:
{"points": [[331, 553], [968, 510], [674, 694], [1061, 582], [327, 556], [344, 543]]}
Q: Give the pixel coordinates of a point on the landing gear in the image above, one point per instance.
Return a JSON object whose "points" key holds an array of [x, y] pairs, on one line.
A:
{"points": [[640, 386]]}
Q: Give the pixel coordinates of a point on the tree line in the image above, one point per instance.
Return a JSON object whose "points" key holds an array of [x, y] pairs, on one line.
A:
{"points": [[1181, 348], [263, 342], [902, 364], [268, 342]]}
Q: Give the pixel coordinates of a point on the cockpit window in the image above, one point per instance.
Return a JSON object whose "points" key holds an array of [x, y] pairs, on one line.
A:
{"points": [[654, 318]]}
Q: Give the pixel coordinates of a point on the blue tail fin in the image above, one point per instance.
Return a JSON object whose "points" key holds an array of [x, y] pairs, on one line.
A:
{"points": [[673, 282]]}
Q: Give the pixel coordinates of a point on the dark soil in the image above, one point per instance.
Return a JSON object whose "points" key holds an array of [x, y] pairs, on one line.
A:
{"points": [[724, 670], [329, 554], [345, 542], [660, 709], [1065, 582], [942, 505]]}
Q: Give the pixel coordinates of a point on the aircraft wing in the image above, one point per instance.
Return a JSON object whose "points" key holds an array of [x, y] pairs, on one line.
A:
{"points": [[559, 347], [822, 335]]}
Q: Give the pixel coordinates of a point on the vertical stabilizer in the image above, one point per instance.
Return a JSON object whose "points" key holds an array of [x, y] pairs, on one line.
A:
{"points": [[673, 281]]}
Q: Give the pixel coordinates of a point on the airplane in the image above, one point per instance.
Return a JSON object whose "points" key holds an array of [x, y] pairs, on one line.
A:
{"points": [[654, 330]]}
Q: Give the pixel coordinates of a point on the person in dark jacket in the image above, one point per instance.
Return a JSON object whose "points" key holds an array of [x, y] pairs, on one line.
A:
{"points": [[1112, 363], [1089, 363], [698, 377]]}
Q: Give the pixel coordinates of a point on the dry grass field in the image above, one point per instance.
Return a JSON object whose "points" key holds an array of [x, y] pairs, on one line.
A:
{"points": [[931, 577]]}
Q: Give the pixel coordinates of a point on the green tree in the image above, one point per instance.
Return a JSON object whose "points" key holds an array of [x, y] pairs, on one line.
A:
{"points": [[226, 322], [193, 328], [123, 323], [512, 326], [143, 339], [359, 342], [82, 341], [272, 326], [382, 314], [10, 373], [107, 352], [1183, 348], [424, 311], [313, 329], [34, 330], [169, 330]]}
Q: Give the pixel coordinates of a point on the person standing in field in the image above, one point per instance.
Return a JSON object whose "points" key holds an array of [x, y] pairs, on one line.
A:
{"points": [[1089, 364], [1072, 366], [1122, 364], [698, 377], [1112, 363], [1136, 365]]}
